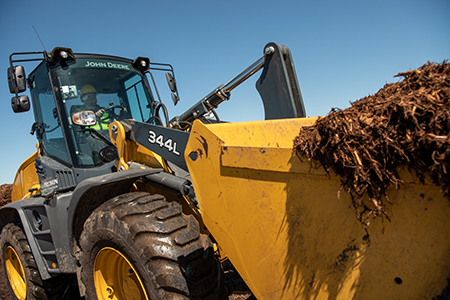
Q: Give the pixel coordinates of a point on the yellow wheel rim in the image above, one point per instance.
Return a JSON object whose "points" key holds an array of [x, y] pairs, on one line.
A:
{"points": [[116, 278], [15, 273]]}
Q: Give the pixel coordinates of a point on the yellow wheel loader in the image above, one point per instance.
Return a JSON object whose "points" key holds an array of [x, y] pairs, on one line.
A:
{"points": [[138, 208]]}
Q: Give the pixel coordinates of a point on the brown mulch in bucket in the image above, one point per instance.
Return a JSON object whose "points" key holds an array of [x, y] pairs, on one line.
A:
{"points": [[406, 123]]}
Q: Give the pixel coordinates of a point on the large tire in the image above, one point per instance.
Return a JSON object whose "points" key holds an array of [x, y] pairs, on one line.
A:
{"points": [[22, 276], [139, 246]]}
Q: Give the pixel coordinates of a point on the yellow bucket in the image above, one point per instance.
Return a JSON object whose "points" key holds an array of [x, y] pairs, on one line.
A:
{"points": [[289, 235]]}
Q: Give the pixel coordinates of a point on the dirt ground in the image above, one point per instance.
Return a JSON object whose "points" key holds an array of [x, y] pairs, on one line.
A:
{"points": [[236, 286]]}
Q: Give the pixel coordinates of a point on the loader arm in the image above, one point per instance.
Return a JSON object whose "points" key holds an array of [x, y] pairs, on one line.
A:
{"points": [[277, 85]]}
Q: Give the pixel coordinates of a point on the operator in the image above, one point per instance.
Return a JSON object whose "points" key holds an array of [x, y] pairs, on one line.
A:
{"points": [[104, 117], [89, 99]]}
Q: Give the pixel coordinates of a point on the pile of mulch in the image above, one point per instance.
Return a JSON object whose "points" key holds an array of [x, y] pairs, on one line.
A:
{"points": [[5, 194], [406, 123]]}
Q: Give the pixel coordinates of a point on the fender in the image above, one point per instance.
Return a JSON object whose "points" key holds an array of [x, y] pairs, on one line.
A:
{"points": [[32, 213], [92, 192]]}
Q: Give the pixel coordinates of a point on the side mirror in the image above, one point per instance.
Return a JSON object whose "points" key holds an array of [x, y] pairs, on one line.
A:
{"points": [[171, 82], [17, 79], [20, 104], [173, 88], [175, 99]]}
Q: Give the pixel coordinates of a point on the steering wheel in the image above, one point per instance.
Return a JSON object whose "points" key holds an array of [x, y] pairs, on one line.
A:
{"points": [[112, 107]]}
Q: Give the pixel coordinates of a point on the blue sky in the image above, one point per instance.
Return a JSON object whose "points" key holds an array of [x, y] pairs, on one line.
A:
{"points": [[343, 50]]}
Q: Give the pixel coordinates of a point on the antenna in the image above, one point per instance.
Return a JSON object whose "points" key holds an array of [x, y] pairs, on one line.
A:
{"points": [[39, 39]]}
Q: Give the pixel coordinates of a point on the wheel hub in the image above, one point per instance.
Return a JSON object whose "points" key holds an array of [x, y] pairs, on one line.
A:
{"points": [[15, 273], [131, 288], [115, 277]]}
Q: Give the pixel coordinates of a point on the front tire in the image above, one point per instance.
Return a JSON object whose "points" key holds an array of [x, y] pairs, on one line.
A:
{"points": [[22, 277], [139, 246]]}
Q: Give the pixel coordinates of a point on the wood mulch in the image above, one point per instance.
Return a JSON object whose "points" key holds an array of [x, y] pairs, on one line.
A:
{"points": [[406, 123], [5, 194]]}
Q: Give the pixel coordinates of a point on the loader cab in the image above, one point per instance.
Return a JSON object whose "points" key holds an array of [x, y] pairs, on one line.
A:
{"points": [[72, 131]]}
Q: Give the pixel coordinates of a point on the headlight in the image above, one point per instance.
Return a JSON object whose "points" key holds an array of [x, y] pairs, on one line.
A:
{"points": [[84, 118]]}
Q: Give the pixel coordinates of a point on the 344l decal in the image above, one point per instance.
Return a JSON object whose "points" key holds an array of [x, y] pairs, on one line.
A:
{"points": [[169, 144]]}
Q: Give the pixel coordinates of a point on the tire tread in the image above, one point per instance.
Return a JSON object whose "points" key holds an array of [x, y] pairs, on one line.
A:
{"points": [[157, 236]]}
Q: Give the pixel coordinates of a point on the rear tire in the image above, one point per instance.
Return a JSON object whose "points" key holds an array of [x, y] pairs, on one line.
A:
{"points": [[140, 245]]}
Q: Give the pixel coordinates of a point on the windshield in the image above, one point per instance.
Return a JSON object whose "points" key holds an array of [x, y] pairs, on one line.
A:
{"points": [[113, 83], [111, 88]]}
